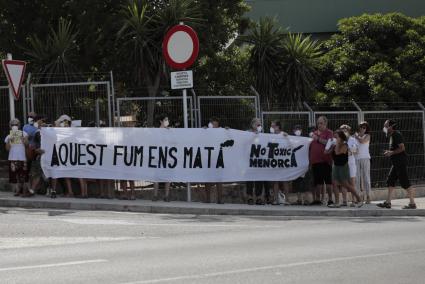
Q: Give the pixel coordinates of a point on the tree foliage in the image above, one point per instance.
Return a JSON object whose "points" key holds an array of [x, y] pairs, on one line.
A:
{"points": [[375, 58]]}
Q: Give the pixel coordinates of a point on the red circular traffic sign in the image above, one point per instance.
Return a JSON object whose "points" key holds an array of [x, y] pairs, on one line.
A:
{"points": [[180, 47]]}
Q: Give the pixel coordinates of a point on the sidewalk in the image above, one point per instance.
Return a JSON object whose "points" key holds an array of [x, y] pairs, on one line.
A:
{"points": [[178, 207]]}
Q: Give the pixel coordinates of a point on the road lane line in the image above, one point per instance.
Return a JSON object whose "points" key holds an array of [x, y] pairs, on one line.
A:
{"points": [[52, 265], [260, 268]]}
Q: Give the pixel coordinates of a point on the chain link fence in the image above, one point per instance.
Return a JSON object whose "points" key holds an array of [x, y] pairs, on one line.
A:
{"points": [[233, 111]]}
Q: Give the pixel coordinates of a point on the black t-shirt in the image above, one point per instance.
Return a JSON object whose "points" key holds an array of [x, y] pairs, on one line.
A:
{"points": [[395, 140]]}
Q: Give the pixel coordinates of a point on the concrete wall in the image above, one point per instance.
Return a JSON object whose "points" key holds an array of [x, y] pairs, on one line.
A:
{"points": [[321, 16]]}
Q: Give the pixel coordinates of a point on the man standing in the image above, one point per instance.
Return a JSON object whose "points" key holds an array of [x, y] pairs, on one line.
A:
{"points": [[321, 163], [398, 171]]}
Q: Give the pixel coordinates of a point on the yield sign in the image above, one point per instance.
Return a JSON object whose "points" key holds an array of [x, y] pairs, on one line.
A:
{"points": [[15, 71]]}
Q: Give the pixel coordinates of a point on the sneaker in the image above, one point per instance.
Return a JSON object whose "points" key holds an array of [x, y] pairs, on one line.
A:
{"points": [[330, 202], [31, 191], [352, 204], [359, 204], [344, 204], [410, 206], [384, 205]]}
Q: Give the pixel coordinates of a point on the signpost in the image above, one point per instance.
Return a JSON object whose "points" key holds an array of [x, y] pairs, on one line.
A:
{"points": [[15, 71], [180, 49]]}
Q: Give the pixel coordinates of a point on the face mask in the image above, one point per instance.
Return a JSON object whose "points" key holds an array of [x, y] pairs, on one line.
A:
{"points": [[30, 120], [271, 130], [259, 128], [36, 125], [311, 134], [385, 129], [166, 123], [15, 128], [210, 125], [346, 134], [298, 132], [62, 124]]}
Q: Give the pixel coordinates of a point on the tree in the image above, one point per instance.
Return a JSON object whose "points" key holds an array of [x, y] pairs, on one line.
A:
{"points": [[375, 58], [299, 69], [266, 39], [56, 55]]}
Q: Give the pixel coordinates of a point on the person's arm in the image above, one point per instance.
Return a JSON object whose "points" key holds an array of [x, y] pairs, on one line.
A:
{"points": [[363, 140], [330, 150], [401, 148]]}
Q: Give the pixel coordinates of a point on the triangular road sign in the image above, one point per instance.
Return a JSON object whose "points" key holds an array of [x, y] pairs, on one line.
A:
{"points": [[15, 70]]}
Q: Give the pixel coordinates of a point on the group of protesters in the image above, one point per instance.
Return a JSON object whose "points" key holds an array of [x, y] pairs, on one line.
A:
{"points": [[339, 164]]}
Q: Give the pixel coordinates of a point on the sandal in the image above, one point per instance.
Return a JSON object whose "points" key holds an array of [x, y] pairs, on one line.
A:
{"points": [[384, 205], [410, 206]]}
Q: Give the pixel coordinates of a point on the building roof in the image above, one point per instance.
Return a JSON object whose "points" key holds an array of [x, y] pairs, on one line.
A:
{"points": [[321, 16]]}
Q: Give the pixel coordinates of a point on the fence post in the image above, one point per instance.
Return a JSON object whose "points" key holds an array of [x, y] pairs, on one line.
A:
{"points": [[423, 124], [258, 104], [361, 117], [312, 118], [112, 97]]}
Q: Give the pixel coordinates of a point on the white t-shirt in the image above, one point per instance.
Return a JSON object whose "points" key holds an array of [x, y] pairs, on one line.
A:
{"points": [[17, 148], [352, 146], [363, 152]]}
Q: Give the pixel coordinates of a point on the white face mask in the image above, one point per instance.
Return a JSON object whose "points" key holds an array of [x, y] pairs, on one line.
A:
{"points": [[385, 129], [311, 134], [35, 124], [259, 128], [271, 130], [30, 120], [166, 123], [15, 128], [297, 132], [210, 125], [62, 124]]}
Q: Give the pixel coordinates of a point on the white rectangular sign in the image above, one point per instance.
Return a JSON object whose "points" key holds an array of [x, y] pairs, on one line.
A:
{"points": [[172, 155], [182, 80]]}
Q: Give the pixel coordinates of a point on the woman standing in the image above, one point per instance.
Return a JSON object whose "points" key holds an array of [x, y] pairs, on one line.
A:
{"points": [[163, 123], [276, 128], [16, 142], [340, 169], [363, 160], [352, 150]]}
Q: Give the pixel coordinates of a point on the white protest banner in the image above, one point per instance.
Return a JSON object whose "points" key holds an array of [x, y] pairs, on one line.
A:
{"points": [[172, 155]]}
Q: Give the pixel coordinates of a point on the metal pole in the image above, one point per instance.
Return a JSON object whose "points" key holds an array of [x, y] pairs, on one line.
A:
{"points": [[361, 118], [189, 193], [11, 97], [312, 118]]}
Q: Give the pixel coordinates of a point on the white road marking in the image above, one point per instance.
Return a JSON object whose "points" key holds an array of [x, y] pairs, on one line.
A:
{"points": [[25, 242], [52, 265], [260, 268]]}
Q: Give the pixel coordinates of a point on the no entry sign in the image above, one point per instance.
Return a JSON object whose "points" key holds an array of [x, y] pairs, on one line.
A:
{"points": [[180, 47]]}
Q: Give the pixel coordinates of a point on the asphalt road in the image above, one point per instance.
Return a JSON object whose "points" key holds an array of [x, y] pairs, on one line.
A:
{"points": [[54, 246]]}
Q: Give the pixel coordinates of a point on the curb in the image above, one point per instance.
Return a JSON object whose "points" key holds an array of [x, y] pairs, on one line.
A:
{"points": [[202, 209]]}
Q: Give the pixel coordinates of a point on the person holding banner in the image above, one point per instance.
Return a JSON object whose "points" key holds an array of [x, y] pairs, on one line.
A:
{"points": [[256, 127], [276, 128], [363, 160], [214, 123], [163, 123], [16, 142], [321, 162]]}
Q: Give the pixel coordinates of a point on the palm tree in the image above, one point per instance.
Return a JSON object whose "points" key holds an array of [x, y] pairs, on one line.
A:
{"points": [[55, 57], [143, 26], [299, 68], [266, 39]]}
